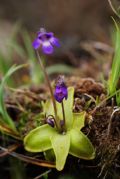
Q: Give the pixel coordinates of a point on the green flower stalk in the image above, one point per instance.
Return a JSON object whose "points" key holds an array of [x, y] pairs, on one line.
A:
{"points": [[47, 41], [51, 91], [60, 93]]}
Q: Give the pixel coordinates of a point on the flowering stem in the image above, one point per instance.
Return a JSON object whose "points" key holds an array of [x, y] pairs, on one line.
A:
{"points": [[63, 111], [50, 88]]}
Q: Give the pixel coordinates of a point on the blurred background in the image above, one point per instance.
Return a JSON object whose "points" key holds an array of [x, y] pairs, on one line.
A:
{"points": [[86, 19], [84, 28], [74, 22]]}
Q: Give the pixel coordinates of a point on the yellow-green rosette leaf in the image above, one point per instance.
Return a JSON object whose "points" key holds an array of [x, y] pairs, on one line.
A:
{"points": [[38, 140], [80, 145], [61, 145], [79, 120]]}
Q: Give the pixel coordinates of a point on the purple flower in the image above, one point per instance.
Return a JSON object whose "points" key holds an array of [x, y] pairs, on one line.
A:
{"points": [[61, 91], [46, 40], [50, 121]]}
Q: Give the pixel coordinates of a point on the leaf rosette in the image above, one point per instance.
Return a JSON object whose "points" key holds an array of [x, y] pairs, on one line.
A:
{"points": [[45, 138]]}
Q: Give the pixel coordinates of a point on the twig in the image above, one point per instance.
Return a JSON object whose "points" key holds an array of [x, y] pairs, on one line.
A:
{"points": [[41, 175], [28, 159], [8, 150], [110, 122], [102, 102], [9, 131], [112, 7]]}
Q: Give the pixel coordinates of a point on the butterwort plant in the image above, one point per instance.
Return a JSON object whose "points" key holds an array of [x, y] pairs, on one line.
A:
{"points": [[61, 134]]}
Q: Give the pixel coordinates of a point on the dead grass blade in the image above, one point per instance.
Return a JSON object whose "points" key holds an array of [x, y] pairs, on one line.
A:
{"points": [[28, 159]]}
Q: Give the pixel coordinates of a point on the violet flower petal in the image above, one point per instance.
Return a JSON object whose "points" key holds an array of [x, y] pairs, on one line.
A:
{"points": [[50, 122], [60, 93], [47, 47], [36, 43], [58, 99], [54, 41], [46, 40], [46, 35], [49, 35]]}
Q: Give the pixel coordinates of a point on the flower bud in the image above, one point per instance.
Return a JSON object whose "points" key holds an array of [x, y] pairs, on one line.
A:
{"points": [[61, 91], [50, 121]]}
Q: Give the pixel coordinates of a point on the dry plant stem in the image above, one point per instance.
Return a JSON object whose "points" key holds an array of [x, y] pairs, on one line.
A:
{"points": [[102, 102], [9, 150], [43, 174], [110, 123], [28, 159], [63, 111], [112, 7], [51, 91], [9, 131]]}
